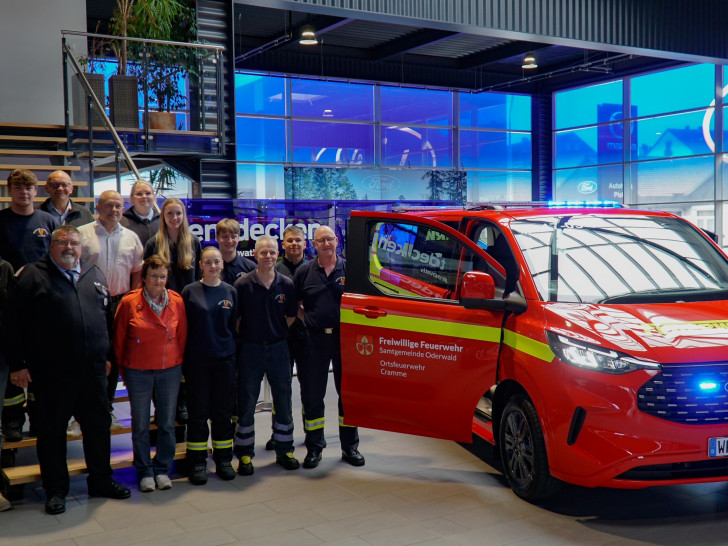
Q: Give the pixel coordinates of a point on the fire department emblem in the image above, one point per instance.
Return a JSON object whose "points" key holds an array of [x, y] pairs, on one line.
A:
{"points": [[364, 346]]}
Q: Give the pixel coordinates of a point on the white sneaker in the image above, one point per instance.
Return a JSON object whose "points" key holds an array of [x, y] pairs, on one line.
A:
{"points": [[4, 504], [74, 429], [115, 424], [146, 485], [163, 481]]}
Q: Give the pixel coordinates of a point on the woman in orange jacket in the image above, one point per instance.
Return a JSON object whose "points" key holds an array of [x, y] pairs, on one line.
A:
{"points": [[150, 332]]}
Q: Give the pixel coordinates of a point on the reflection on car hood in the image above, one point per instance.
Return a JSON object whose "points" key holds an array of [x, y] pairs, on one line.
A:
{"points": [[661, 332]]}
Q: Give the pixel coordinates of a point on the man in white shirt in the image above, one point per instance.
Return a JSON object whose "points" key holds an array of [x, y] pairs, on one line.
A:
{"points": [[118, 253]]}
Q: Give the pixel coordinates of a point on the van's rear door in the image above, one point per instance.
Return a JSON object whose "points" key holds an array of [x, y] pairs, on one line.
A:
{"points": [[414, 359]]}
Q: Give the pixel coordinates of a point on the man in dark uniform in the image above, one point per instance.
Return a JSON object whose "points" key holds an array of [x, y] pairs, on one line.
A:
{"points": [[266, 307], [227, 234], [319, 287], [25, 235], [293, 244], [68, 300], [59, 205]]}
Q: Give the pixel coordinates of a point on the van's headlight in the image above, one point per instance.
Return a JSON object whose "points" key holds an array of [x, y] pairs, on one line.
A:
{"points": [[593, 357]]}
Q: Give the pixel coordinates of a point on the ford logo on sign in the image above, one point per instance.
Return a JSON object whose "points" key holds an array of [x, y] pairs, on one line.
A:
{"points": [[588, 186]]}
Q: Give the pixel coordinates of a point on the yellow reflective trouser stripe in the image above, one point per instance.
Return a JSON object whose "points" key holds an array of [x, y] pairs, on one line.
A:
{"points": [[314, 424], [222, 444], [14, 401], [198, 446], [425, 326], [342, 424], [454, 329], [528, 345]]}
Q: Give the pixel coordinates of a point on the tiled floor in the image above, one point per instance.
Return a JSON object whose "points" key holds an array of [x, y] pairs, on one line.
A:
{"points": [[411, 491]]}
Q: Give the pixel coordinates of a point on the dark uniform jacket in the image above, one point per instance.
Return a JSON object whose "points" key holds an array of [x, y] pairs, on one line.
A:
{"points": [[79, 215], [54, 328], [144, 231]]}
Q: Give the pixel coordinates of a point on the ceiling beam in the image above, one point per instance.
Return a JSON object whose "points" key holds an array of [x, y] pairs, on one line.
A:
{"points": [[499, 53], [410, 42]]}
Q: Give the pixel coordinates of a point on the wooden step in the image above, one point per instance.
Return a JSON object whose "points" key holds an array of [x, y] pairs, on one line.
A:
{"points": [[21, 138], [23, 125], [17, 475], [5, 167], [96, 141], [29, 441], [49, 153], [96, 154]]}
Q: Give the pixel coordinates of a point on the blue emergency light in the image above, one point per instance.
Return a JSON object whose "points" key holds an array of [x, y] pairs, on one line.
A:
{"points": [[582, 204]]}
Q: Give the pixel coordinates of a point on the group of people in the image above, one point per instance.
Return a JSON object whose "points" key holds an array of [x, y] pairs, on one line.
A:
{"points": [[192, 332]]}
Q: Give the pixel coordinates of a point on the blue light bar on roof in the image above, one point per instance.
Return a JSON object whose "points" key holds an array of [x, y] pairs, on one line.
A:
{"points": [[582, 204]]}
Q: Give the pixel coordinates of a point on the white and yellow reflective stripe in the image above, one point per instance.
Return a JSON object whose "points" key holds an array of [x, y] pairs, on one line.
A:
{"points": [[222, 444], [528, 345], [14, 401], [425, 326], [314, 424], [199, 446], [342, 424]]}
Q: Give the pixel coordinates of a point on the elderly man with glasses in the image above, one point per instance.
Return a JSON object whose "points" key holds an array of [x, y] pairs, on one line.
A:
{"points": [[67, 300], [59, 187]]}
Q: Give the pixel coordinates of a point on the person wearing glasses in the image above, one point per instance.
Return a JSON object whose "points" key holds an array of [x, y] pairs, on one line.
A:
{"points": [[149, 338], [59, 187], [143, 216], [66, 365], [117, 252], [25, 236], [319, 286]]}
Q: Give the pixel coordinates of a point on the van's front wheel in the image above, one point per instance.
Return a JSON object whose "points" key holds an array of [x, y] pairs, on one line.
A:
{"points": [[523, 451]]}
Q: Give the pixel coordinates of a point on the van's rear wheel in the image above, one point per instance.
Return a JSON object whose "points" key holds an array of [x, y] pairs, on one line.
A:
{"points": [[523, 451]]}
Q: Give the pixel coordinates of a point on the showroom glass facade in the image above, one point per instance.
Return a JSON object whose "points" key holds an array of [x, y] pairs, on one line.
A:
{"points": [[313, 139], [647, 141]]}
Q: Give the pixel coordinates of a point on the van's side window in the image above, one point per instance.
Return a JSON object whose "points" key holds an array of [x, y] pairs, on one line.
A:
{"points": [[416, 260]]}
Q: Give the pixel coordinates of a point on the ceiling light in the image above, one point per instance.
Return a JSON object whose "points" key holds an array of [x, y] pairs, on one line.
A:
{"points": [[308, 36], [529, 61]]}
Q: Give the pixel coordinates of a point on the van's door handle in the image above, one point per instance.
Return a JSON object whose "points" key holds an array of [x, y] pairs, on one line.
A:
{"points": [[370, 312]]}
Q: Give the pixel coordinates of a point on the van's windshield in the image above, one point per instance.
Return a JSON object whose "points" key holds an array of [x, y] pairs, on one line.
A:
{"points": [[588, 258]]}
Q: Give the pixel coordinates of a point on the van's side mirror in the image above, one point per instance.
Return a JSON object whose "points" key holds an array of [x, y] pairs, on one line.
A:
{"points": [[477, 285], [477, 291]]}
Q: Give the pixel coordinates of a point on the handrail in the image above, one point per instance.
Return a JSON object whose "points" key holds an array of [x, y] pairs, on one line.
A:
{"points": [[144, 40], [101, 110]]}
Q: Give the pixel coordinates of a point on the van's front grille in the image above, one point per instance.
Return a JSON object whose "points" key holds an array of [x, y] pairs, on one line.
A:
{"points": [[694, 395]]}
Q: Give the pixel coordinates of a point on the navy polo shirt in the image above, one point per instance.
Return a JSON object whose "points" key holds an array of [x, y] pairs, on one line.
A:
{"points": [[320, 294], [25, 239], [239, 267], [263, 311], [211, 315]]}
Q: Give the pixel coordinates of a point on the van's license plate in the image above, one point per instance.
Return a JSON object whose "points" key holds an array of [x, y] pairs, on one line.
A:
{"points": [[718, 447]]}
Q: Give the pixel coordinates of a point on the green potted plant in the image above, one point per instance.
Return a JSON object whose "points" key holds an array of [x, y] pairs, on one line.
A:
{"points": [[162, 67]]}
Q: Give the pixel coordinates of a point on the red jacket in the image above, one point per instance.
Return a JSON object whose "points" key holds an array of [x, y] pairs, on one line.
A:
{"points": [[144, 340]]}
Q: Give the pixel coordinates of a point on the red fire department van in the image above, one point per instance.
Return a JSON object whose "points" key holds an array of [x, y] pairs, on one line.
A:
{"points": [[590, 345]]}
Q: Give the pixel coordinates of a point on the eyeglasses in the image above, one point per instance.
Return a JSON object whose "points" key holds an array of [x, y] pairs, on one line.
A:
{"points": [[324, 240], [65, 243], [157, 277], [59, 185]]}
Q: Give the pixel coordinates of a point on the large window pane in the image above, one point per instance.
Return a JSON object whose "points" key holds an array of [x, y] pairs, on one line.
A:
{"points": [[673, 90], [590, 146], [261, 139], [588, 105], [589, 184], [258, 94], [499, 186], [416, 147], [416, 106], [260, 181], [495, 150], [674, 180], [669, 136], [336, 143], [495, 111], [332, 100]]}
